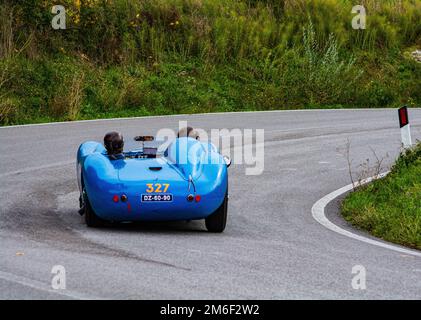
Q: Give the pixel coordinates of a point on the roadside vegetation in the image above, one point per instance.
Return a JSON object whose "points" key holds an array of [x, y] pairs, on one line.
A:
{"points": [[133, 58], [390, 208]]}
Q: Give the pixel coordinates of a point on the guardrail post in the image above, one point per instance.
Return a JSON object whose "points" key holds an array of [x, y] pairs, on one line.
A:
{"points": [[405, 127]]}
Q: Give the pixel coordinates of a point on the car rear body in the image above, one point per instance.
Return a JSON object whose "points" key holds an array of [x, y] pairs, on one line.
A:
{"points": [[171, 187]]}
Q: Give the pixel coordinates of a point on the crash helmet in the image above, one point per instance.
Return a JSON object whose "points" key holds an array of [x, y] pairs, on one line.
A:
{"points": [[188, 132], [114, 143]]}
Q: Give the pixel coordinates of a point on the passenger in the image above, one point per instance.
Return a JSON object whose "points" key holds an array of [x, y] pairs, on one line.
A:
{"points": [[114, 144], [188, 132]]}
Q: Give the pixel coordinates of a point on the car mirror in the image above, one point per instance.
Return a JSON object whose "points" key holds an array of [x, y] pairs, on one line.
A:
{"points": [[227, 161]]}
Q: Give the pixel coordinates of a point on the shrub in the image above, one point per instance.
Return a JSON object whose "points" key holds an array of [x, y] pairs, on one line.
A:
{"points": [[120, 57], [9, 108]]}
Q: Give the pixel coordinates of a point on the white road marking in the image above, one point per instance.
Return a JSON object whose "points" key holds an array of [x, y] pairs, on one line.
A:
{"points": [[318, 212], [38, 285]]}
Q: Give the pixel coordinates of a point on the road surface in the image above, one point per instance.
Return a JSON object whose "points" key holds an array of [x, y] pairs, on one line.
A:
{"points": [[272, 247]]}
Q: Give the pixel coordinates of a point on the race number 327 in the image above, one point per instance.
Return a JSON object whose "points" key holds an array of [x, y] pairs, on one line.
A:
{"points": [[157, 187]]}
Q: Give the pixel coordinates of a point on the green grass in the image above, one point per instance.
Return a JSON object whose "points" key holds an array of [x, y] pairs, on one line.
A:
{"points": [[126, 57], [390, 208]]}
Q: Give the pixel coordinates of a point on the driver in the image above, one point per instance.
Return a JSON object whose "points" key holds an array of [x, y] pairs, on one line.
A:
{"points": [[114, 143]]}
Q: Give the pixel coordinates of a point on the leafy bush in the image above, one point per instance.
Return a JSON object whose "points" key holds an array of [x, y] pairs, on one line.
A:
{"points": [[170, 56], [8, 110], [328, 79]]}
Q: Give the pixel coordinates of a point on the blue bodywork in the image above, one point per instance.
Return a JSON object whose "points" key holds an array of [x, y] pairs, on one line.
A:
{"points": [[187, 167]]}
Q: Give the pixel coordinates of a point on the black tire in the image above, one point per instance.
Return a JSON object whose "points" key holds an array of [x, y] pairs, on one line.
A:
{"points": [[217, 221], [91, 219]]}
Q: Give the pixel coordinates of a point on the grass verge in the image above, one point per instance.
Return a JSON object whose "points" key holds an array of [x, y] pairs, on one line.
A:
{"points": [[390, 208]]}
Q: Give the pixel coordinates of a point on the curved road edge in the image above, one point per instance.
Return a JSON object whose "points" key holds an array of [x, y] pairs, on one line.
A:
{"points": [[318, 213]]}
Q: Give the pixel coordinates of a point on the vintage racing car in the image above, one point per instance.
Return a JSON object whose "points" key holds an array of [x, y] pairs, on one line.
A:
{"points": [[187, 181]]}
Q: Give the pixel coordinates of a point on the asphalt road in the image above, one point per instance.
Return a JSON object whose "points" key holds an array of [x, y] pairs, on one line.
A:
{"points": [[272, 248]]}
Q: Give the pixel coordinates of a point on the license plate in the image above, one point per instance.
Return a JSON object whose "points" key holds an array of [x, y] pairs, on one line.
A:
{"points": [[167, 197]]}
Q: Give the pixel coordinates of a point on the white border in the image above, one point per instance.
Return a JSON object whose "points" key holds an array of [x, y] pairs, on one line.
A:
{"points": [[318, 212]]}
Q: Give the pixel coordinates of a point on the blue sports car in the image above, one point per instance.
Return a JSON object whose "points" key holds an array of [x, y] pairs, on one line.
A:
{"points": [[187, 181]]}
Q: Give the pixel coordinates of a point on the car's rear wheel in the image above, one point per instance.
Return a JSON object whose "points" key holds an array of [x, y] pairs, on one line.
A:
{"points": [[217, 221], [91, 219]]}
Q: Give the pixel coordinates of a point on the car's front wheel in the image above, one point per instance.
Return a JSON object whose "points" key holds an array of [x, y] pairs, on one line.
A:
{"points": [[217, 221]]}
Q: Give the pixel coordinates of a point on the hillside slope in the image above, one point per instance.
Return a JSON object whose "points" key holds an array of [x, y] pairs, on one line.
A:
{"points": [[124, 58]]}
